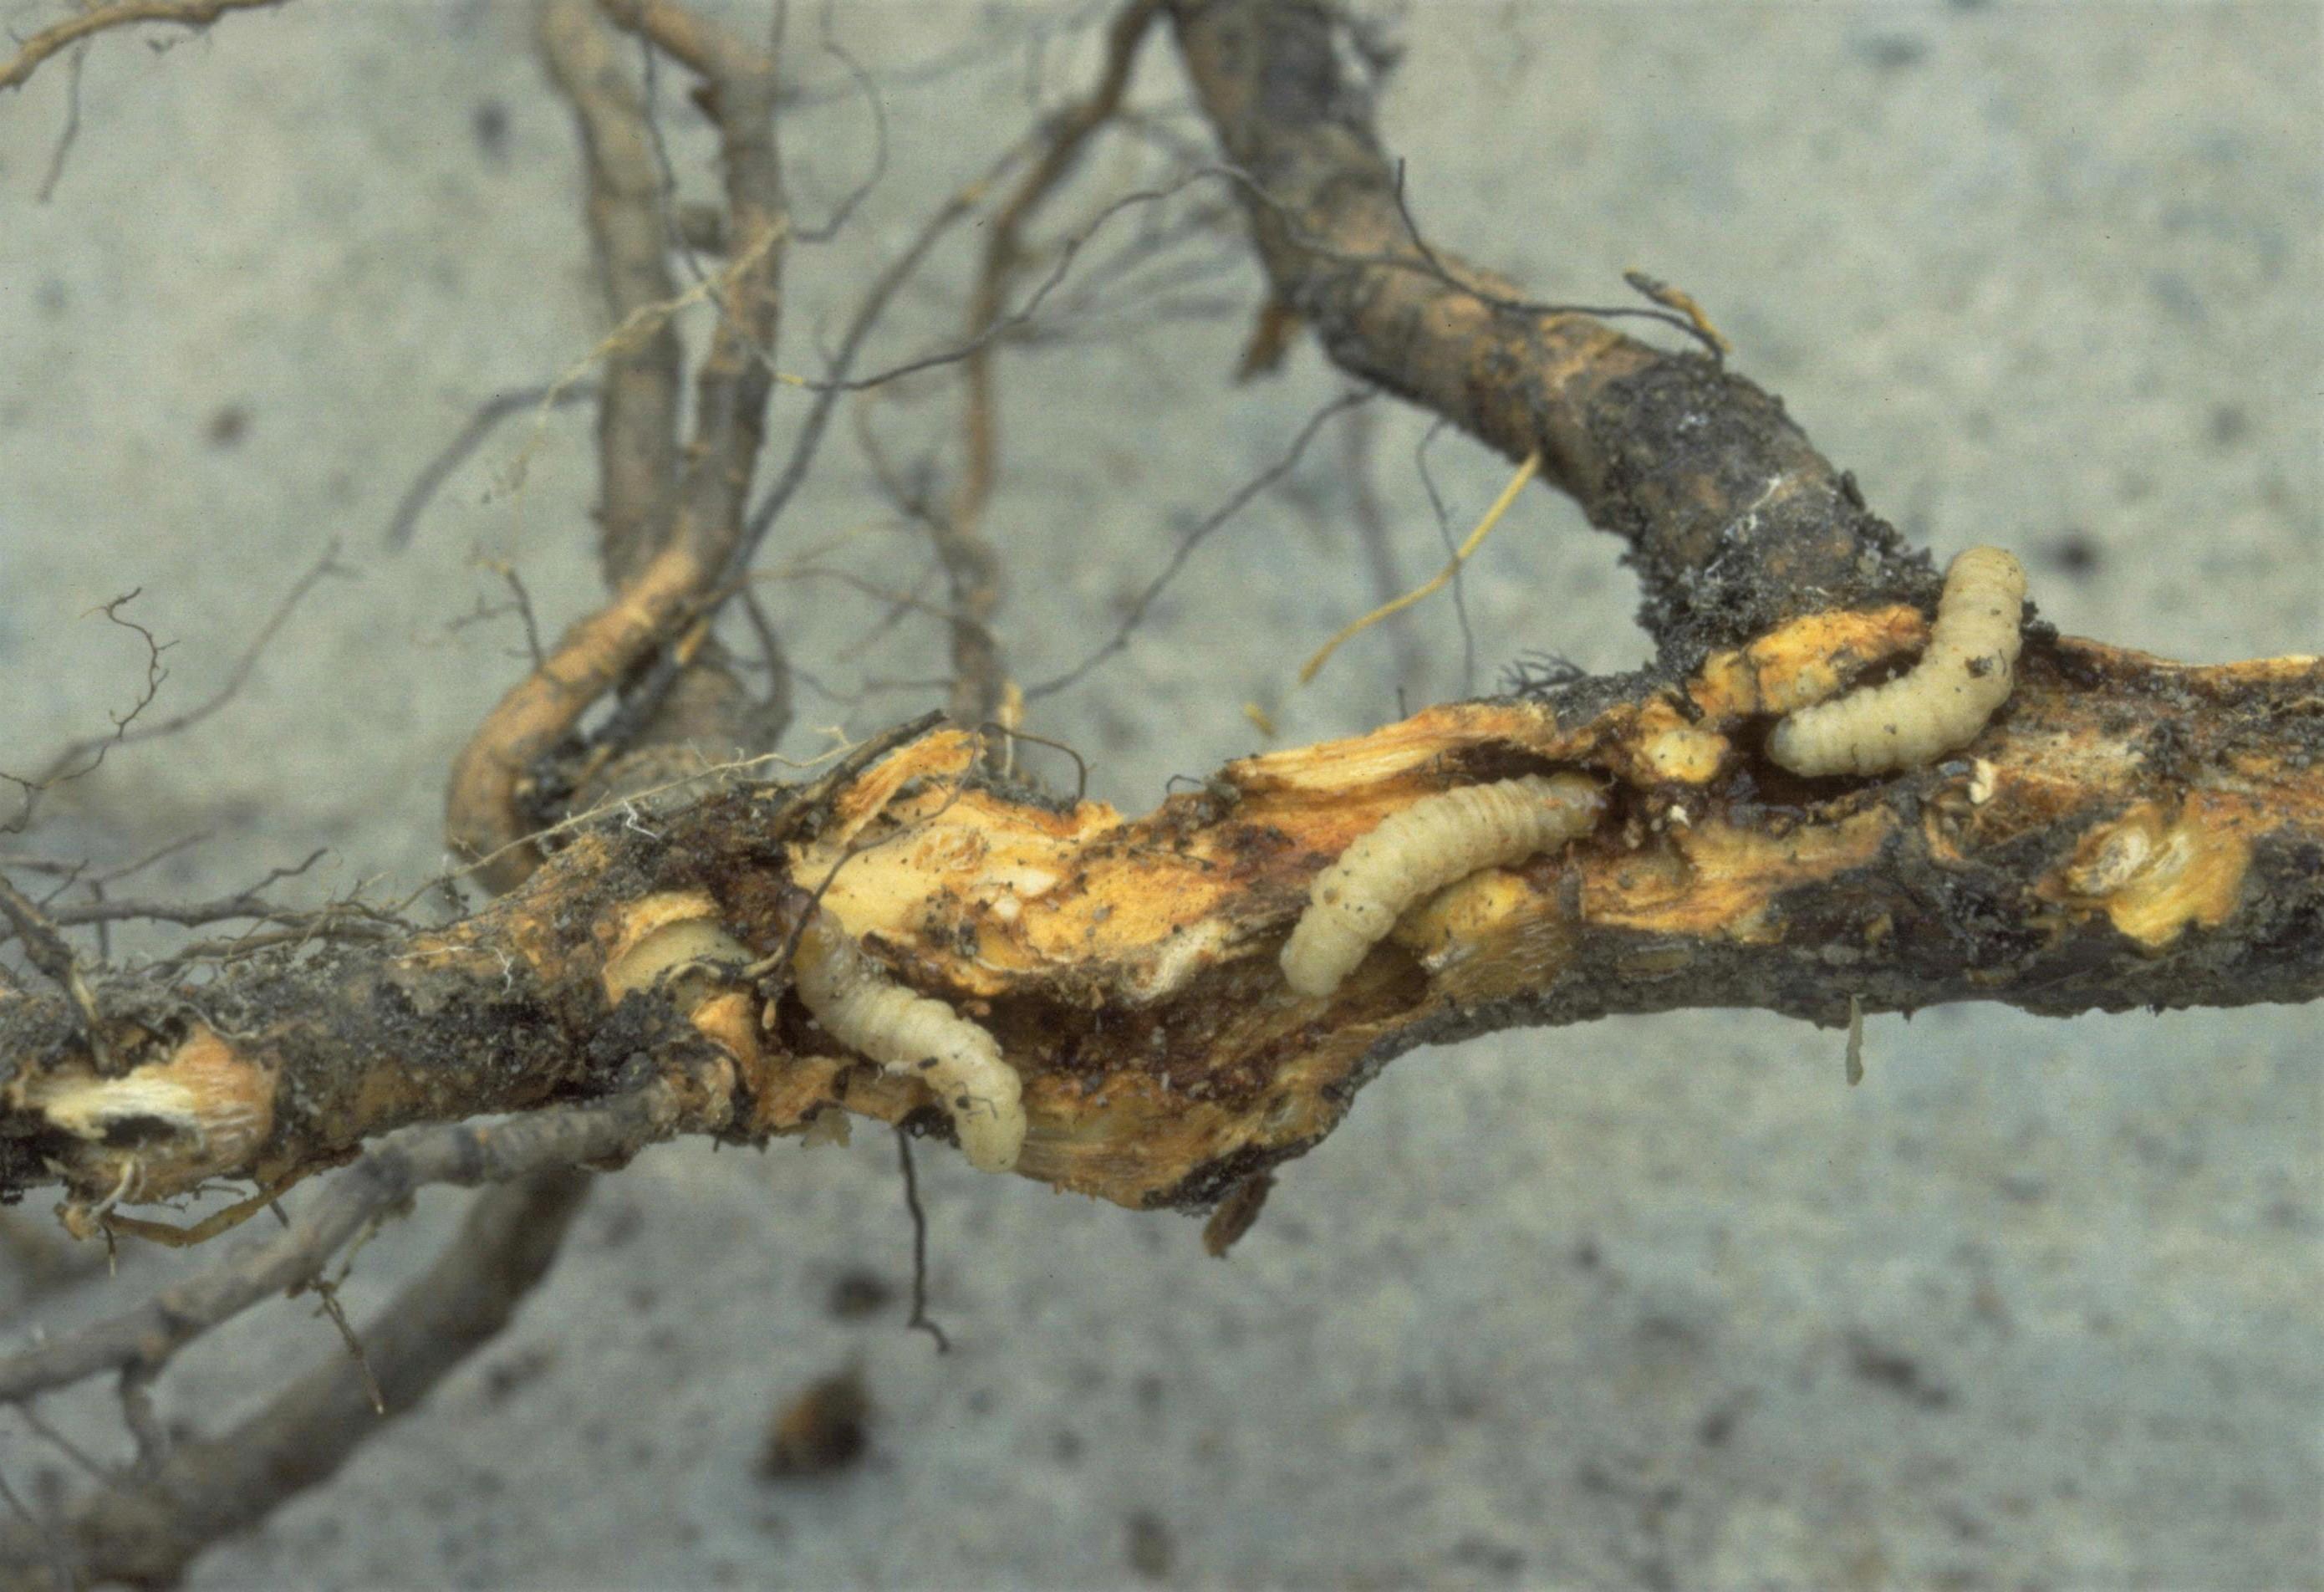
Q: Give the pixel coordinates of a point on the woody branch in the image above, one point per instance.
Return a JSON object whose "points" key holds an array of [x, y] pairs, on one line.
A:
{"points": [[2128, 832]]}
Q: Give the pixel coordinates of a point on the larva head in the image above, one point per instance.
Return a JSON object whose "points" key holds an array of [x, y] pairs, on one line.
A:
{"points": [[1988, 570], [1983, 609], [824, 963], [1322, 950], [990, 1121]]}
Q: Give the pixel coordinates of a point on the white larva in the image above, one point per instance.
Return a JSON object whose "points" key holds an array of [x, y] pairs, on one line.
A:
{"points": [[862, 1007], [1942, 702], [1413, 854]]}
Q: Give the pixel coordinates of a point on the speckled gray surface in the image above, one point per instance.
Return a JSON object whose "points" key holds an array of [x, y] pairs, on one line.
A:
{"points": [[1654, 1303]]}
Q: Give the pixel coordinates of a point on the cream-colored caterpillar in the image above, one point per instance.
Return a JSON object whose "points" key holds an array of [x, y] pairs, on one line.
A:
{"points": [[854, 999], [1413, 854], [1965, 675]]}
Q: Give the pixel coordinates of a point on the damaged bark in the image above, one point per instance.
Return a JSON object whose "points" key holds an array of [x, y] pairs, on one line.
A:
{"points": [[2125, 831], [1734, 522], [2128, 833]]}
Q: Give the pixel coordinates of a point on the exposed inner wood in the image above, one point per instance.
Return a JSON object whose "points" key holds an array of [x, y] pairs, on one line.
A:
{"points": [[2127, 831]]}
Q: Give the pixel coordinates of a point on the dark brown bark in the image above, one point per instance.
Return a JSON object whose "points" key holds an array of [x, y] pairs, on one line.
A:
{"points": [[1733, 521], [147, 1529], [637, 413], [2128, 833]]}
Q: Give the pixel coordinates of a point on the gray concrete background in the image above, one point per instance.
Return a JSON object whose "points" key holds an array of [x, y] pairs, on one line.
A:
{"points": [[1653, 1303]]}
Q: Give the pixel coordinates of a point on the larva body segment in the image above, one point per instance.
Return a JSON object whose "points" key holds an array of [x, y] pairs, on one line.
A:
{"points": [[862, 1007], [1413, 854], [1942, 703]]}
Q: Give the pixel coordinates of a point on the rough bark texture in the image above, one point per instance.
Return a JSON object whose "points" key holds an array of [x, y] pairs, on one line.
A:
{"points": [[146, 1534], [1735, 521], [2129, 832], [664, 543]]}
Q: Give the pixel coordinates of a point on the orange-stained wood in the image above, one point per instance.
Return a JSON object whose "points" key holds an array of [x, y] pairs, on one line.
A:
{"points": [[2124, 831]]}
